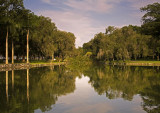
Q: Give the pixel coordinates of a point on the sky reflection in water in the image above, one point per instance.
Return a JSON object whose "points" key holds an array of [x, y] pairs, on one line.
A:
{"points": [[94, 89], [86, 100]]}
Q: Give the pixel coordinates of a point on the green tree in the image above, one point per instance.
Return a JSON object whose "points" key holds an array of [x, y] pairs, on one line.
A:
{"points": [[23, 28], [65, 44], [10, 10], [151, 19], [151, 22]]}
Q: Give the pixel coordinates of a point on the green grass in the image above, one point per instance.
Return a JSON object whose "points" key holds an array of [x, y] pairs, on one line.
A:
{"points": [[136, 61], [142, 61], [39, 62], [43, 62], [120, 61]]}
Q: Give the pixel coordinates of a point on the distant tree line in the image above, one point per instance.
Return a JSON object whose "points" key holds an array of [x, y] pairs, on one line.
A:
{"points": [[129, 42], [19, 28]]}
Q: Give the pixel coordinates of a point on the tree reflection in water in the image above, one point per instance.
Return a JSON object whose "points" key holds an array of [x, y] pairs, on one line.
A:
{"points": [[40, 88], [125, 82], [37, 88]]}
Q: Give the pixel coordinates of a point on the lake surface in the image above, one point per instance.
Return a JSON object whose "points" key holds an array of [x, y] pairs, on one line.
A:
{"points": [[90, 89]]}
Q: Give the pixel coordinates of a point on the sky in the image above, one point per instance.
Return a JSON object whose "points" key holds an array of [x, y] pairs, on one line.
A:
{"points": [[85, 18]]}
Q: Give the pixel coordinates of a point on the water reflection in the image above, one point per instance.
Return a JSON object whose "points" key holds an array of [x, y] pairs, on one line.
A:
{"points": [[126, 82], [68, 90], [28, 85], [12, 79], [37, 88], [151, 99], [7, 85]]}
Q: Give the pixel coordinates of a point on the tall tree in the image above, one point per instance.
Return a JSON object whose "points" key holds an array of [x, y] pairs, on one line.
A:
{"points": [[151, 24], [26, 23], [9, 9]]}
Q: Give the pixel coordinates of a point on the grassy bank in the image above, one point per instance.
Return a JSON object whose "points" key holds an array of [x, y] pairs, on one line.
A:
{"points": [[135, 63], [142, 61], [43, 62]]}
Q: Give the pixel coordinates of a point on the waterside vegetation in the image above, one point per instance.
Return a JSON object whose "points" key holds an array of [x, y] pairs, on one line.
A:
{"points": [[129, 42], [26, 36]]}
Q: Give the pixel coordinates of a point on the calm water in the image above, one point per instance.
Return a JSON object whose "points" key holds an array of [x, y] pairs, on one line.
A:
{"points": [[92, 89]]}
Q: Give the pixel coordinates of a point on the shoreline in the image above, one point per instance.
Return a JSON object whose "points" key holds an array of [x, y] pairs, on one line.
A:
{"points": [[135, 63], [21, 66]]}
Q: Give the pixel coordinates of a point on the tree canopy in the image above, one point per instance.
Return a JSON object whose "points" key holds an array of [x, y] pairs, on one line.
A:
{"points": [[129, 42], [119, 43], [45, 40]]}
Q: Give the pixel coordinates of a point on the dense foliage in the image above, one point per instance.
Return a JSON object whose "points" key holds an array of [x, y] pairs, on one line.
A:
{"points": [[45, 40], [129, 42]]}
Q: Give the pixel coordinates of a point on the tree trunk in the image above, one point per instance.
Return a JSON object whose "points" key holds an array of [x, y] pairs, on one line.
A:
{"points": [[7, 47], [23, 58], [28, 46], [12, 52], [158, 57], [53, 56]]}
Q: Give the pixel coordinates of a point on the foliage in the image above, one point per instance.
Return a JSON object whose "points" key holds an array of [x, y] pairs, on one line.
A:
{"points": [[120, 44], [151, 26], [45, 40], [129, 42], [79, 61]]}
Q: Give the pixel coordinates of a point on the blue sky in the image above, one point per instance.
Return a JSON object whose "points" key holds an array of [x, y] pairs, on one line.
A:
{"points": [[85, 18]]}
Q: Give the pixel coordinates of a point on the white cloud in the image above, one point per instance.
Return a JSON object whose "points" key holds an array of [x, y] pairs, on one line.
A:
{"points": [[90, 5], [75, 15], [79, 24], [47, 1], [100, 6], [76, 19]]}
